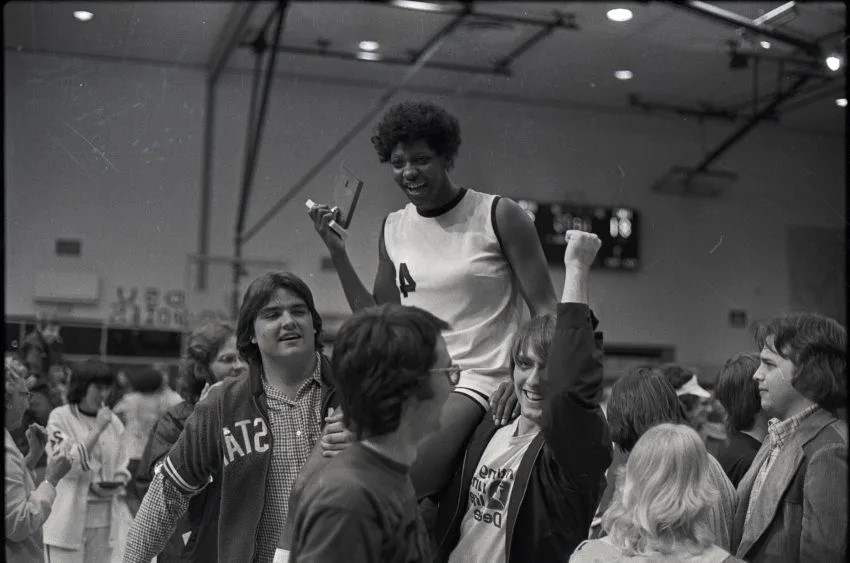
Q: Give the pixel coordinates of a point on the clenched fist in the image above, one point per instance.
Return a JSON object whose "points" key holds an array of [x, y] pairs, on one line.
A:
{"points": [[581, 248]]}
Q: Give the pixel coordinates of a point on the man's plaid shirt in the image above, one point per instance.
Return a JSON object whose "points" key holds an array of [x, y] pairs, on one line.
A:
{"points": [[778, 433], [295, 425]]}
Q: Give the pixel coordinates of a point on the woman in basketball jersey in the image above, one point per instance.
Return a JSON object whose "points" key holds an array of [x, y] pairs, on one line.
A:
{"points": [[468, 257]]}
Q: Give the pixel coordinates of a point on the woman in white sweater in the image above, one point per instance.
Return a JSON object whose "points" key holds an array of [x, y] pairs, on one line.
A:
{"points": [[85, 525], [27, 506]]}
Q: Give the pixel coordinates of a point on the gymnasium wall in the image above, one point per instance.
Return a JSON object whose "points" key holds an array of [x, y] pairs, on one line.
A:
{"points": [[110, 154]]}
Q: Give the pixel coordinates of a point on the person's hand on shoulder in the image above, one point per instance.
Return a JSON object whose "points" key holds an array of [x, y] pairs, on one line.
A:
{"points": [[504, 406], [335, 437]]}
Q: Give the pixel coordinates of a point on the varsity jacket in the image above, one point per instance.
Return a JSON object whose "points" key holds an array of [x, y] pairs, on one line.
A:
{"points": [[562, 474], [235, 409]]}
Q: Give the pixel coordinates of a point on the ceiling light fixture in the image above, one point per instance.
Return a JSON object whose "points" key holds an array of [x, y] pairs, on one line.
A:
{"points": [[841, 102], [424, 6], [778, 16], [765, 44], [366, 56], [83, 15], [369, 45], [623, 74], [833, 62], [619, 15]]}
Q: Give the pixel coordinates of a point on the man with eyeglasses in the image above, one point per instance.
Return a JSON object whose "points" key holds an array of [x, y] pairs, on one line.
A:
{"points": [[393, 375]]}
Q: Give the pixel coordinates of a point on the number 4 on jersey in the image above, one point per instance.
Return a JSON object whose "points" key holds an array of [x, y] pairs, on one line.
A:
{"points": [[405, 282]]}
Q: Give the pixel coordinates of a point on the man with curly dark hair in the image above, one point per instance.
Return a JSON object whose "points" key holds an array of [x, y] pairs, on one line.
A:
{"points": [[393, 374], [470, 258]]}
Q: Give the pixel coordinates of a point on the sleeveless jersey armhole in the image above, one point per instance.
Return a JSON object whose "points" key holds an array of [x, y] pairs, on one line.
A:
{"points": [[384, 262], [496, 223], [383, 256]]}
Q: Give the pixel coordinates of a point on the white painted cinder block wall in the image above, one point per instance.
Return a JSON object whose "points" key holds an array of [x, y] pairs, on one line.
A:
{"points": [[110, 154]]}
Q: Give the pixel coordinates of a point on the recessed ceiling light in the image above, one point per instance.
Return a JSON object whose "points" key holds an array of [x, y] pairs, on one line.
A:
{"points": [[83, 15], [765, 44], [366, 56], [619, 15], [841, 102], [369, 45], [623, 74], [425, 6], [833, 62]]}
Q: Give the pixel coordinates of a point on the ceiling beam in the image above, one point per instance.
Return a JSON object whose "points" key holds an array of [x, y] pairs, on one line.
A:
{"points": [[106, 58], [833, 90], [255, 131], [345, 55], [711, 12], [422, 57], [229, 36], [531, 41], [699, 112], [742, 105], [563, 21], [776, 57], [767, 111]]}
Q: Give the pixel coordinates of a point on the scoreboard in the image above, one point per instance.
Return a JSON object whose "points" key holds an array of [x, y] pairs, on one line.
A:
{"points": [[617, 228]]}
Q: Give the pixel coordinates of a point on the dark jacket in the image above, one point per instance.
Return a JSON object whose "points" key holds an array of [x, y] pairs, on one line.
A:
{"points": [[561, 476], [738, 456], [199, 522], [801, 511], [237, 406]]}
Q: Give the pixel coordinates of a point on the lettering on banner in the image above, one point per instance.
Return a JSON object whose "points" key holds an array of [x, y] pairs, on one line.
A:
{"points": [[125, 310], [149, 307]]}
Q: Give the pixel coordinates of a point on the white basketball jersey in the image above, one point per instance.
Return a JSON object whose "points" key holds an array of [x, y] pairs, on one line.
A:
{"points": [[452, 265]]}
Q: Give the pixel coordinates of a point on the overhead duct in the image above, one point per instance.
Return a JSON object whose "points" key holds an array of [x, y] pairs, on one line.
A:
{"points": [[700, 180], [686, 181]]}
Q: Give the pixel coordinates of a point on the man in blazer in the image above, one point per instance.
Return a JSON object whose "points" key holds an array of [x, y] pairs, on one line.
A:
{"points": [[793, 500]]}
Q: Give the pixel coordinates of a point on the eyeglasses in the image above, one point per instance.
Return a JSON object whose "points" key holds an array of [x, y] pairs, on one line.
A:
{"points": [[27, 393], [227, 359], [452, 372]]}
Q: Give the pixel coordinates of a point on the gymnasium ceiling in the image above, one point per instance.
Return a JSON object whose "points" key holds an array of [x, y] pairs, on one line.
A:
{"points": [[680, 60]]}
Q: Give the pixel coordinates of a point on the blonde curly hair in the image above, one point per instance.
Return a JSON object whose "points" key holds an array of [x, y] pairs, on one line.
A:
{"points": [[663, 494]]}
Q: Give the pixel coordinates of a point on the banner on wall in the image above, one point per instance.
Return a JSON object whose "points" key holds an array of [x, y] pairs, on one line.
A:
{"points": [[149, 307]]}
